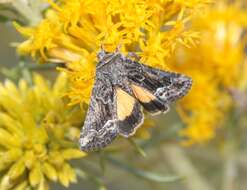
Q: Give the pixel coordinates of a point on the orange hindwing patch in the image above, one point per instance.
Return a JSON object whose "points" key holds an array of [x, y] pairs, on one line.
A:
{"points": [[142, 95], [125, 104]]}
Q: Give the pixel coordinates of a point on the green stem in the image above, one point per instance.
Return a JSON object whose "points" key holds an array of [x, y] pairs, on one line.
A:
{"points": [[137, 148], [26, 74], [230, 168], [143, 174], [31, 14], [184, 167], [92, 178], [48, 66]]}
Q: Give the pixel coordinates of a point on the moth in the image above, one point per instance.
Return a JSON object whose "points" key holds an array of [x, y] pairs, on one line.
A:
{"points": [[122, 87]]}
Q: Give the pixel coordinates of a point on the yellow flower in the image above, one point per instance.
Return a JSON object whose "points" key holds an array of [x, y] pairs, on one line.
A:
{"points": [[73, 31], [217, 65], [38, 134], [144, 132]]}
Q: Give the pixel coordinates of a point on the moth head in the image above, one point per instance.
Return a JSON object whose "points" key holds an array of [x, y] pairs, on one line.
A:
{"points": [[101, 54], [105, 57]]}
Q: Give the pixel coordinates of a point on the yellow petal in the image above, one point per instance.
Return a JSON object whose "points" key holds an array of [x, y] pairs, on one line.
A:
{"points": [[50, 171], [21, 186], [10, 124], [3, 165], [7, 140], [23, 86], [70, 173], [35, 175], [143, 134], [23, 30], [12, 155], [5, 183], [17, 169], [11, 88], [63, 176], [60, 84], [43, 185], [41, 83], [69, 154], [74, 133], [56, 159], [30, 159]]}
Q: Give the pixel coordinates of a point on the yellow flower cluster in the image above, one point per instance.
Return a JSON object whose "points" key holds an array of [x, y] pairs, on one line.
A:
{"points": [[73, 31], [217, 65], [38, 135]]}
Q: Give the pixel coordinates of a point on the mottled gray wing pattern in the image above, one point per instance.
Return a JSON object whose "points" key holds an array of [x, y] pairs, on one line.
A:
{"points": [[100, 126], [155, 88], [121, 87]]}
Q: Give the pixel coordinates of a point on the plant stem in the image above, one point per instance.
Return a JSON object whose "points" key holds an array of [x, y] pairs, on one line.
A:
{"points": [[31, 14], [229, 168], [184, 167]]}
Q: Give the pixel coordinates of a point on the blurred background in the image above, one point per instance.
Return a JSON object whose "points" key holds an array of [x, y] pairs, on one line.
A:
{"points": [[199, 145], [8, 53]]}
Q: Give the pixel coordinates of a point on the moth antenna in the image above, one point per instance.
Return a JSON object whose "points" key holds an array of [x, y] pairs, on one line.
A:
{"points": [[102, 47], [118, 48], [102, 52], [134, 56]]}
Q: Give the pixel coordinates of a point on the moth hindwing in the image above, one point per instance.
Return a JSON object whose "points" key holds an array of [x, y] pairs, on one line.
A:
{"points": [[122, 87]]}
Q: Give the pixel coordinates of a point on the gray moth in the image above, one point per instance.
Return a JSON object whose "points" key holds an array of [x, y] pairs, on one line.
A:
{"points": [[123, 86]]}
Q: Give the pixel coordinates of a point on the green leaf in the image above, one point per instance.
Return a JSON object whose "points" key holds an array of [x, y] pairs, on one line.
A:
{"points": [[97, 181], [138, 149], [13, 73], [4, 18], [162, 136], [10, 14], [144, 174], [102, 161]]}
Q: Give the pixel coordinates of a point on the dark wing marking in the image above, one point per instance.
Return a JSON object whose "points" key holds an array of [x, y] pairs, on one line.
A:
{"points": [[100, 126], [159, 86], [129, 113], [148, 100]]}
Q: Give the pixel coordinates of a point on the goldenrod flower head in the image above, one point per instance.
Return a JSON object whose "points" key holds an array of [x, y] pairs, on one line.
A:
{"points": [[38, 134], [217, 65], [73, 31]]}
